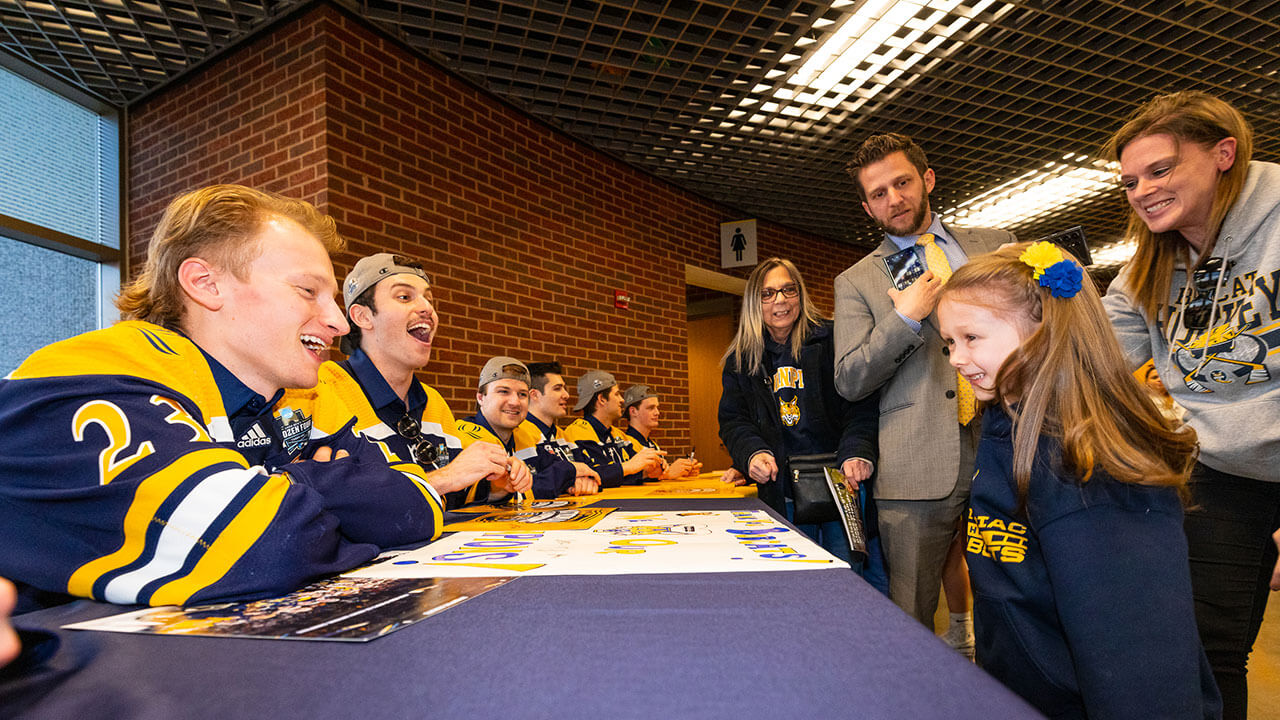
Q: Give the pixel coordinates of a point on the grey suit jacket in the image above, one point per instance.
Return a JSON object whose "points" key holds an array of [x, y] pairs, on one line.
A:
{"points": [[875, 348]]}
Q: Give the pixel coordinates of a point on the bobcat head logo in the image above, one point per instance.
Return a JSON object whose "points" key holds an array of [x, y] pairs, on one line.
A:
{"points": [[790, 412]]}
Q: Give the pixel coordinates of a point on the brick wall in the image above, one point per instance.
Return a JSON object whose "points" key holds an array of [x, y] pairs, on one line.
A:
{"points": [[527, 231], [254, 118]]}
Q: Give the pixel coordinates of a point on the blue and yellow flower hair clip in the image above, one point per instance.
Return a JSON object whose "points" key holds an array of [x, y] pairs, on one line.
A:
{"points": [[1053, 269]]}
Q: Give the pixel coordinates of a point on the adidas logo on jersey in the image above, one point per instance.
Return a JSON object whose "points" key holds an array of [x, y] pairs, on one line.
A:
{"points": [[256, 437]]}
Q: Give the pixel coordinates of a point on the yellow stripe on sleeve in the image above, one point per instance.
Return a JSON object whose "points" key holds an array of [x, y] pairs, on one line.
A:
{"points": [[232, 543], [409, 468], [150, 495], [420, 482]]}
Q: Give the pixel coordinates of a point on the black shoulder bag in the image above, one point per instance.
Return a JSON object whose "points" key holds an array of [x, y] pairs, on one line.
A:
{"points": [[820, 495]]}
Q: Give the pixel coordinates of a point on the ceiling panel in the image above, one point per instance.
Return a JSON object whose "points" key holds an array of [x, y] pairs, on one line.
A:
{"points": [[714, 97]]}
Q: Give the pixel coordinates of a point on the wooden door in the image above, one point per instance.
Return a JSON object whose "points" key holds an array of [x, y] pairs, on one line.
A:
{"points": [[709, 335]]}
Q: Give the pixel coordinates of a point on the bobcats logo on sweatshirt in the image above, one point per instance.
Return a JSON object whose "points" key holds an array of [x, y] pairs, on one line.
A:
{"points": [[790, 411], [1222, 357]]}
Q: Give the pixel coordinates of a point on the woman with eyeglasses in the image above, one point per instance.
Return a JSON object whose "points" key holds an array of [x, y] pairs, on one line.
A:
{"points": [[1202, 298], [780, 401]]}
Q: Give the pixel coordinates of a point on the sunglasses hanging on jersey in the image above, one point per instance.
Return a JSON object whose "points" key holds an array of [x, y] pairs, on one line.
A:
{"points": [[425, 453]]}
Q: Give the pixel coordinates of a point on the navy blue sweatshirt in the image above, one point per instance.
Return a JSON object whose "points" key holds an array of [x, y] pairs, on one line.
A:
{"points": [[1082, 601], [767, 412]]}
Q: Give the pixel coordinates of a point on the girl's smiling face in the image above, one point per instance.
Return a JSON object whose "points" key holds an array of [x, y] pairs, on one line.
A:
{"points": [[980, 341]]}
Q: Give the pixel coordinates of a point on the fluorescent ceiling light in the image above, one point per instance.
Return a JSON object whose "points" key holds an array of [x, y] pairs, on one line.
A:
{"points": [[1117, 253], [863, 54], [1035, 193], [1038, 193]]}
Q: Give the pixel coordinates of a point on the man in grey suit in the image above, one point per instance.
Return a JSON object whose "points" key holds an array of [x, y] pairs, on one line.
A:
{"points": [[887, 338]]}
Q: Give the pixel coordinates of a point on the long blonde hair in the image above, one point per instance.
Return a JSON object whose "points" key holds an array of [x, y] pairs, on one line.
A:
{"points": [[1191, 117], [1069, 380], [747, 348], [218, 223]]}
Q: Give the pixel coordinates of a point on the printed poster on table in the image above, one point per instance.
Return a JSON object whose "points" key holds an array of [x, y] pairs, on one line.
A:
{"points": [[516, 520], [560, 503], [693, 488], [625, 542], [343, 608]]}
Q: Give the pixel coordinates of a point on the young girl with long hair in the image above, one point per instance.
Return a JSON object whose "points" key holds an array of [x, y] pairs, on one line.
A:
{"points": [[1082, 596], [1201, 297]]}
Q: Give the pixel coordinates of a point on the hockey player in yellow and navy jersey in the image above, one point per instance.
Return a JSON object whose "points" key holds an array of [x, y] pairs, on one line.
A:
{"points": [[602, 446], [393, 327], [548, 402], [503, 398], [640, 406], [154, 461]]}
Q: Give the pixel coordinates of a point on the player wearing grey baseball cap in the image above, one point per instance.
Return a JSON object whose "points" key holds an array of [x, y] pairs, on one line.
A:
{"points": [[590, 385], [501, 419], [640, 405], [601, 445]]}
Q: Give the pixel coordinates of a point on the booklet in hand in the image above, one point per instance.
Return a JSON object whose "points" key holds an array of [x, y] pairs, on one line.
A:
{"points": [[850, 514], [904, 267]]}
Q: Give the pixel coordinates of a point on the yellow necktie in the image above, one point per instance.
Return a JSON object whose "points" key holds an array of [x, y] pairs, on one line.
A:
{"points": [[934, 257], [966, 406]]}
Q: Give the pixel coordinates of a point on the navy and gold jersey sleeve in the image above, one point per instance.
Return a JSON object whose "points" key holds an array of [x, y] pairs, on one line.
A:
{"points": [[377, 498], [552, 474], [605, 458], [123, 488]]}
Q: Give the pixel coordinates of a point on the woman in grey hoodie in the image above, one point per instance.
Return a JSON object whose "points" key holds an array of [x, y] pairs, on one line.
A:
{"points": [[1202, 298]]}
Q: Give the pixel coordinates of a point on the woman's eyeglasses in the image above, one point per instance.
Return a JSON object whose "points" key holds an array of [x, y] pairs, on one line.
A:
{"points": [[1204, 283], [767, 295], [425, 453]]}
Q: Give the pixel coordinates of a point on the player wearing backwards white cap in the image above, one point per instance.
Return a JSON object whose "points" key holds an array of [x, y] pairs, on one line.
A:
{"points": [[641, 408]]}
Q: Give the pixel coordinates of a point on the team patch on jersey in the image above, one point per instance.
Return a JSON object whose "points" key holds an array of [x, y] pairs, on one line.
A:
{"points": [[254, 437], [1001, 540], [295, 429], [790, 411]]}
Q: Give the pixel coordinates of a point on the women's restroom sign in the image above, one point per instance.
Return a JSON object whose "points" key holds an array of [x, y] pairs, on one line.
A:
{"points": [[738, 243]]}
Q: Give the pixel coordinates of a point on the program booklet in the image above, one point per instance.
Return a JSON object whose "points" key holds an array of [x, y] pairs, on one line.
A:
{"points": [[847, 506], [352, 609], [904, 267]]}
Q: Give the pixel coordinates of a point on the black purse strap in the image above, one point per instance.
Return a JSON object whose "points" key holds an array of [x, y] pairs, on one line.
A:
{"points": [[812, 462]]}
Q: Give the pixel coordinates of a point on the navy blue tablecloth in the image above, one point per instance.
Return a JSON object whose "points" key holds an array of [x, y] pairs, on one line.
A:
{"points": [[816, 643]]}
